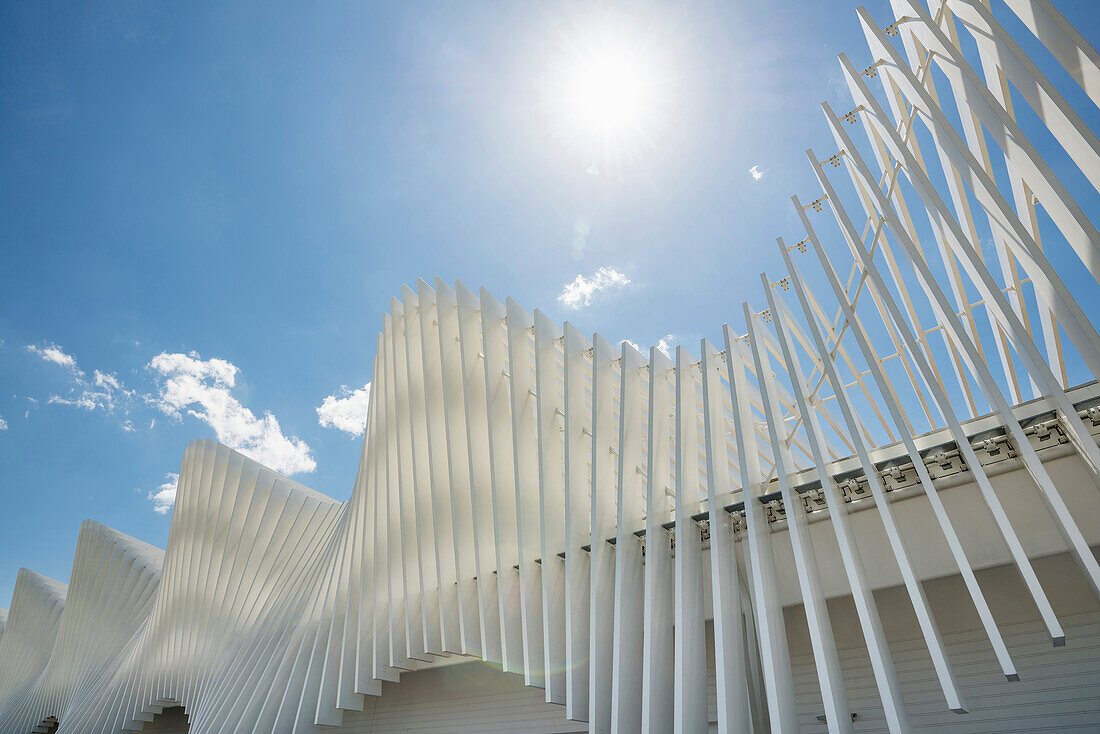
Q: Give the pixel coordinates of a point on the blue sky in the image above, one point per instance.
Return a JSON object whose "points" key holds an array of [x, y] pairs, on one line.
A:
{"points": [[206, 210]]}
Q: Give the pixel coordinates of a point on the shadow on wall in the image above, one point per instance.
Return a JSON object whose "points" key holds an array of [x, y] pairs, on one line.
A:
{"points": [[169, 721], [460, 698]]}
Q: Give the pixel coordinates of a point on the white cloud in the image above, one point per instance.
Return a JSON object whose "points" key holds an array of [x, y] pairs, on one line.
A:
{"points": [[53, 353], [666, 345], [183, 383], [87, 399], [346, 411], [633, 344], [3, 424], [203, 388], [103, 392], [109, 381], [164, 496], [757, 172], [579, 293]]}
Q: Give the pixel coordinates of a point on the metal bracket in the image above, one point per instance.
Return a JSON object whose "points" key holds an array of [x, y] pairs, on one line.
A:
{"points": [[850, 117]]}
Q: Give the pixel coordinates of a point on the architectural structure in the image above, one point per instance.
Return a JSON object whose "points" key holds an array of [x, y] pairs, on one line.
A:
{"points": [[870, 506]]}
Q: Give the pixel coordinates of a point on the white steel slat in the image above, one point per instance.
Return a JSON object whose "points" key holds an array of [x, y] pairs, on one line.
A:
{"points": [[897, 543], [521, 363], [1008, 223], [1055, 197], [426, 534], [364, 654], [933, 386], [759, 556], [626, 674], [502, 473], [960, 202], [731, 683], [881, 662], [1040, 371], [382, 664], [977, 367], [458, 469], [578, 376], [551, 427], [659, 611], [601, 628], [885, 162], [838, 714], [992, 57], [690, 656], [1064, 41], [438, 474], [404, 501], [477, 442]]}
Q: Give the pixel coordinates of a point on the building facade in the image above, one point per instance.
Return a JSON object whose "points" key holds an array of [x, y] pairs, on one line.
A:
{"points": [[871, 506]]}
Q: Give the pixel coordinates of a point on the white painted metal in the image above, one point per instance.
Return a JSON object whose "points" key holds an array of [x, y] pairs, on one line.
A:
{"points": [[521, 363], [657, 602], [759, 554], [626, 673], [601, 629], [731, 676], [689, 670], [549, 343], [838, 714], [578, 477]]}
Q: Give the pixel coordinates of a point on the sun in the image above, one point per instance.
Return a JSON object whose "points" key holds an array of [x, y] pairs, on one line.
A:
{"points": [[609, 92]]}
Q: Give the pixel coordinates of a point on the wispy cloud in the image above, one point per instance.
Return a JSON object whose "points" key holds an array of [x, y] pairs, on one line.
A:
{"points": [[104, 391], [666, 345], [346, 410], [164, 496], [757, 172], [579, 293], [204, 390], [3, 424], [53, 353]]}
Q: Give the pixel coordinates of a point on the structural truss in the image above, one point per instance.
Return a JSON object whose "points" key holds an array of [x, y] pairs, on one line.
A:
{"points": [[582, 513]]}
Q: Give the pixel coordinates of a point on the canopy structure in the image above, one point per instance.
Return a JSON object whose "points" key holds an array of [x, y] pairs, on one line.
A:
{"points": [[624, 529]]}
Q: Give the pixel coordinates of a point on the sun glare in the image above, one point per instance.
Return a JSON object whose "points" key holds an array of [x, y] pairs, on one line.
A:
{"points": [[609, 92]]}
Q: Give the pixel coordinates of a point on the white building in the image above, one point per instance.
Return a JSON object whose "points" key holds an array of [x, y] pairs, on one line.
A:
{"points": [[871, 507]]}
